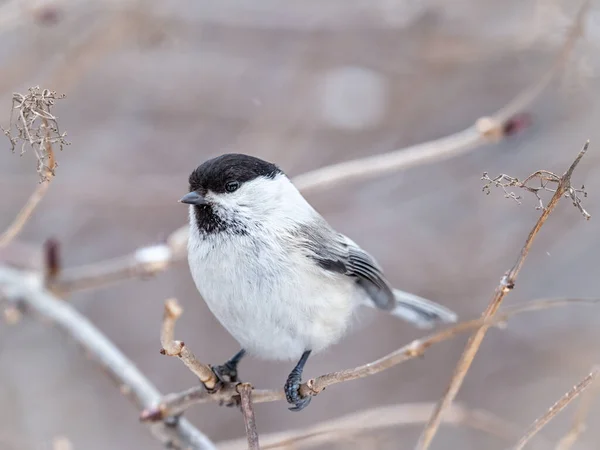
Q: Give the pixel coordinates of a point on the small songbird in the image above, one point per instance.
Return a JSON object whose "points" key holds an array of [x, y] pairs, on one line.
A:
{"points": [[275, 274]]}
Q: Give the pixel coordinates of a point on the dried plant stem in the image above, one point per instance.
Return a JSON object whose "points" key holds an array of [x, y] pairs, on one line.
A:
{"points": [[245, 391], [578, 426], [19, 223], [47, 172], [484, 131], [171, 347], [26, 291], [370, 420], [507, 283], [557, 408], [529, 95], [135, 265], [174, 404]]}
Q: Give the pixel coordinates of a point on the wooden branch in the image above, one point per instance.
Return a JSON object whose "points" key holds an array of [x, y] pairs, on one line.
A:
{"points": [[176, 403], [245, 391], [486, 130], [26, 291], [489, 129], [507, 283], [578, 426], [47, 165], [171, 347], [557, 408], [25, 214], [142, 263], [371, 420]]}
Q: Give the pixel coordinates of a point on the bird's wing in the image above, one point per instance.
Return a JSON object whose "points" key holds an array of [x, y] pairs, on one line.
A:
{"points": [[337, 253]]}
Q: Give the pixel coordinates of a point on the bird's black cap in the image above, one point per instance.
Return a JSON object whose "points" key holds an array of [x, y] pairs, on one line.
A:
{"points": [[215, 173]]}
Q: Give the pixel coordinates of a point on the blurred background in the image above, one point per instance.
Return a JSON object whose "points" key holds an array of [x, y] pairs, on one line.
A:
{"points": [[156, 87]]}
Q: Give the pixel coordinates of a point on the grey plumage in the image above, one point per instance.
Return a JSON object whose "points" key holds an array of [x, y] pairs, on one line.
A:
{"points": [[337, 253]]}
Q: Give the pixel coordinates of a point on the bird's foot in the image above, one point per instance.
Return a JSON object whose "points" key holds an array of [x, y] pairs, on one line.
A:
{"points": [[293, 383], [292, 393], [227, 374]]}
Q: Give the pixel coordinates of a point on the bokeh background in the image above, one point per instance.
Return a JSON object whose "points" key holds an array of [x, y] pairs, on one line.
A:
{"points": [[156, 87]]}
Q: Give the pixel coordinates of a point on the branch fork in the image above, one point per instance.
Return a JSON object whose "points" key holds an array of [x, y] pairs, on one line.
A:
{"points": [[506, 285], [172, 347]]}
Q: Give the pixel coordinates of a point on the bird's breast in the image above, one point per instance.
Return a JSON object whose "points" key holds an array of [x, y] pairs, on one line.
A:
{"points": [[270, 297]]}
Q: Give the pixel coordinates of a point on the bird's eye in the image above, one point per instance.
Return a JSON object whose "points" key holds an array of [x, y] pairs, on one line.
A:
{"points": [[232, 186]]}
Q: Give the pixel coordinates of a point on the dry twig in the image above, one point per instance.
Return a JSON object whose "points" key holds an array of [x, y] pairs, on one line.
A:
{"points": [[578, 426], [557, 408], [507, 283], [245, 391], [504, 122], [27, 291], [545, 178], [486, 130], [15, 228], [370, 420], [175, 404], [171, 347], [144, 262], [35, 126]]}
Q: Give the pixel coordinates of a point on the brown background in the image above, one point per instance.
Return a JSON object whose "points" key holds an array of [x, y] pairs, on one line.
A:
{"points": [[153, 92]]}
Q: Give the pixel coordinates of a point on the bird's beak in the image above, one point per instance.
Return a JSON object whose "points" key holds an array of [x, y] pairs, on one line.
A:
{"points": [[193, 198]]}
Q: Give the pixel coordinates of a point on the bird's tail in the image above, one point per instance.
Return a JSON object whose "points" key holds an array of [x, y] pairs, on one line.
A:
{"points": [[420, 312]]}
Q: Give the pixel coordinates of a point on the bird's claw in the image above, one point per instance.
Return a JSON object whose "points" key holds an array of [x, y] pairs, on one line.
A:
{"points": [[292, 394], [226, 373]]}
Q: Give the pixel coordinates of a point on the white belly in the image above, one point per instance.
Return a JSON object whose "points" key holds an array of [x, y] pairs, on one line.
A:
{"points": [[263, 298]]}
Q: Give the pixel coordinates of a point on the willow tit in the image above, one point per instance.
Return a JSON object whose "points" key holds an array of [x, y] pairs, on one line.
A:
{"points": [[273, 271]]}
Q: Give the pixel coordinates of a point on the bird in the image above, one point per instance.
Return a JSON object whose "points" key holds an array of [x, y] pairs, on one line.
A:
{"points": [[275, 274]]}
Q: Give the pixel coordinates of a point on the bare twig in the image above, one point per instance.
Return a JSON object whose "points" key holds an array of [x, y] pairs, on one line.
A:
{"points": [[171, 347], [36, 126], [507, 283], [175, 404], [485, 130], [245, 391], [26, 290], [557, 408], [578, 426], [144, 262], [504, 122], [33, 106], [370, 420], [15, 228], [545, 178]]}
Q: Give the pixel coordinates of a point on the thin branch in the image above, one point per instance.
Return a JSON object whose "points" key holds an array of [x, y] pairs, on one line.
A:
{"points": [[35, 126], [557, 408], [485, 130], [176, 403], [19, 223], [33, 104], [578, 426], [504, 122], [245, 391], [507, 283], [545, 178], [142, 263], [25, 290], [171, 347], [371, 420]]}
